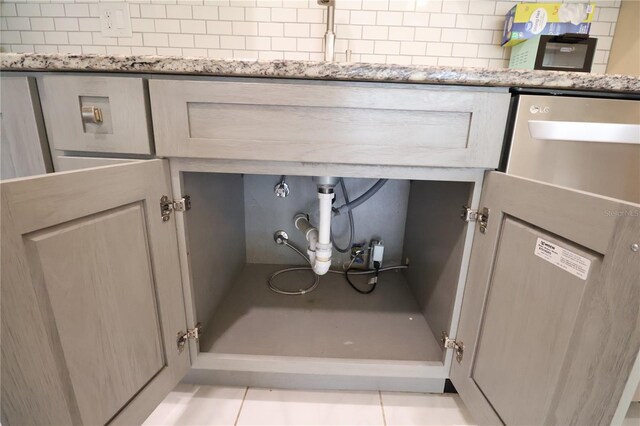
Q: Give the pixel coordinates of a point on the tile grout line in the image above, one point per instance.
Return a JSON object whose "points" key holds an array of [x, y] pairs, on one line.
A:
{"points": [[384, 418], [246, 390]]}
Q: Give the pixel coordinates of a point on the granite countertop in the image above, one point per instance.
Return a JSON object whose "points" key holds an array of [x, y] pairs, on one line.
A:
{"points": [[320, 71]]}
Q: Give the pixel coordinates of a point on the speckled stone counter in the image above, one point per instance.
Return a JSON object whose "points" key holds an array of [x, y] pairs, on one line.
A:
{"points": [[320, 71]]}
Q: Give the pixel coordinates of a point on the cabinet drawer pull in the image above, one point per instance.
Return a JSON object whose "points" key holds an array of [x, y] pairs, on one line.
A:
{"points": [[91, 114]]}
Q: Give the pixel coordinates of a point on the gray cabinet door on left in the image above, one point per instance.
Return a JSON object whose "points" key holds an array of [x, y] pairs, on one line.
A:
{"points": [[91, 296], [24, 150]]}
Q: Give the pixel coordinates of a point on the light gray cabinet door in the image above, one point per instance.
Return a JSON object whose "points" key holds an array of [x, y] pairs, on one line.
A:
{"points": [[550, 320], [24, 150], [91, 296]]}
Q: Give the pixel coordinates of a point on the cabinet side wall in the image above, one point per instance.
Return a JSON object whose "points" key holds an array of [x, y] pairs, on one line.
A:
{"points": [[434, 243], [216, 238]]}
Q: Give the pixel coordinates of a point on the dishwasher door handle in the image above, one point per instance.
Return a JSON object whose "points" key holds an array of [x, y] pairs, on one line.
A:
{"points": [[585, 131]]}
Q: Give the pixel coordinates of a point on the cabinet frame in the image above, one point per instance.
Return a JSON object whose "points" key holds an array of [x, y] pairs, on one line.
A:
{"points": [[433, 372]]}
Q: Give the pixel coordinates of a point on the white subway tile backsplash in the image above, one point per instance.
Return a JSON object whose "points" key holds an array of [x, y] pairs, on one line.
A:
{"points": [[28, 9], [232, 42], [349, 31], [8, 9], [231, 13], [133, 41], [361, 46], [80, 38], [310, 16], [375, 33], [401, 33], [178, 11], [205, 12], [77, 10], [482, 7], [102, 50], [284, 15], [191, 26], [489, 51], [608, 14], [454, 35], [194, 52], [414, 48], [465, 50], [389, 18], [469, 21], [416, 19], [450, 62], [296, 30], [456, 6], [56, 37], [42, 24], [439, 49], [402, 5], [429, 6], [32, 37], [66, 24], [15, 23], [181, 40], [137, 24], [245, 28], [167, 25], [282, 43], [52, 10], [207, 41], [257, 14], [361, 17], [11, 37], [387, 47], [219, 27], [427, 32], [156, 39], [442, 20], [153, 11], [309, 44], [271, 29]]}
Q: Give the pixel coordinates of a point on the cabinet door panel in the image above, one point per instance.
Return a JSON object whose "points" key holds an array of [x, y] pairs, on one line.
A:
{"points": [[23, 141], [91, 296], [550, 314]]}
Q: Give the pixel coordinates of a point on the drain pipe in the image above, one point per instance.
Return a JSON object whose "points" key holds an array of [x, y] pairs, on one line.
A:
{"points": [[330, 35], [320, 247]]}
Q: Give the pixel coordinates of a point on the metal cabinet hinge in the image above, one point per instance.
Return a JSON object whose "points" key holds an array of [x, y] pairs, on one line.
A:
{"points": [[167, 206], [471, 215], [192, 333], [456, 345]]}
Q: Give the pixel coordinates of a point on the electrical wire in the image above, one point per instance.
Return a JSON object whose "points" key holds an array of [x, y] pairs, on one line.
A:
{"points": [[345, 195], [316, 280]]}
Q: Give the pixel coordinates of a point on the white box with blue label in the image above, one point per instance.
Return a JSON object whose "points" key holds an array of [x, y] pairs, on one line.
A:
{"points": [[528, 20]]}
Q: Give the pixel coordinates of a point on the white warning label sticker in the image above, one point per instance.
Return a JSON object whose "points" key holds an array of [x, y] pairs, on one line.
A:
{"points": [[563, 258]]}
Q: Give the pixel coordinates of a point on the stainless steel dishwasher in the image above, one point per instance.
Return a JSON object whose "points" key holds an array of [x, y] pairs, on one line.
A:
{"points": [[581, 142]]}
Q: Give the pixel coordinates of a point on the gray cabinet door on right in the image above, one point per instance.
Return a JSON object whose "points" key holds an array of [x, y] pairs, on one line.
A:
{"points": [[550, 320]]}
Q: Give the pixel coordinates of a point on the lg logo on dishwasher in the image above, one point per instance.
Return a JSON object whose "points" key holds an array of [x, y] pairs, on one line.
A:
{"points": [[535, 109]]}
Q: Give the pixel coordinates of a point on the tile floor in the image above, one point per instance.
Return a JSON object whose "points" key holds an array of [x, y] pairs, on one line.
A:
{"points": [[218, 405]]}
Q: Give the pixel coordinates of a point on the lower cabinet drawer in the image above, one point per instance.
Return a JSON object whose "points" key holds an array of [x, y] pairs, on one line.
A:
{"points": [[329, 123], [96, 114]]}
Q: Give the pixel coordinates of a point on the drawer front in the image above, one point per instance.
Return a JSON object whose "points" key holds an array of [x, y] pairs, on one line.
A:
{"points": [[122, 102], [66, 163], [326, 123]]}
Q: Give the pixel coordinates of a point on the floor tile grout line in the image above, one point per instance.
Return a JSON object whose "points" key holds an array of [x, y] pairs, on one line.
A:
{"points": [[384, 417], [246, 390]]}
